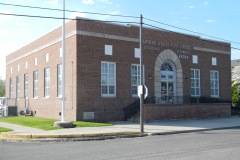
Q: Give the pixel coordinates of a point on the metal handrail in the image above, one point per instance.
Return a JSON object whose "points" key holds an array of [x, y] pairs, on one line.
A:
{"points": [[134, 108]]}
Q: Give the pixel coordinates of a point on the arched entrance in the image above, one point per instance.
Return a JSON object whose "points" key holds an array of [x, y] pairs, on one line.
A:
{"points": [[168, 80], [168, 75]]}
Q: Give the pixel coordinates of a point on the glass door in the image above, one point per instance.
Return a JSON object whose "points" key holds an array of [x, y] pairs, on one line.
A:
{"points": [[167, 91]]}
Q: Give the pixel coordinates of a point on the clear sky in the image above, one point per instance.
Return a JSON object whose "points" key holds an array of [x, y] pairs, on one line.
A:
{"points": [[218, 18]]}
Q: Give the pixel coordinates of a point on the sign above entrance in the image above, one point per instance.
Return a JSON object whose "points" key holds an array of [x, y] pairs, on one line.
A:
{"points": [[140, 91], [183, 50]]}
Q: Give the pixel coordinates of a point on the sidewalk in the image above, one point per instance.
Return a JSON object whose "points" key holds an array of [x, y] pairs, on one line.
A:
{"points": [[123, 129]]}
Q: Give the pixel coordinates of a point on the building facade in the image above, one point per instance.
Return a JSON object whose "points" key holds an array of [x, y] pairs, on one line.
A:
{"points": [[103, 72]]}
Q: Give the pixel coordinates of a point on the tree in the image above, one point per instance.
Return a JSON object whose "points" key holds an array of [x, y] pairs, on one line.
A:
{"points": [[236, 94], [2, 88], [236, 74]]}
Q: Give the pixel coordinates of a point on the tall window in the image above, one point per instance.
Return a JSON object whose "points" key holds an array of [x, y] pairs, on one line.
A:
{"points": [[18, 87], [47, 82], [11, 88], [35, 84], [108, 78], [214, 82], [195, 82], [135, 70], [59, 89], [26, 85]]}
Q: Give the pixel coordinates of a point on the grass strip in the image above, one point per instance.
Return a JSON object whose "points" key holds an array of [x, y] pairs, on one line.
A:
{"points": [[46, 124]]}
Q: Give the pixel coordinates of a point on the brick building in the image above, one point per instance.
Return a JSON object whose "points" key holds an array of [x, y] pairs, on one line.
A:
{"points": [[183, 73]]}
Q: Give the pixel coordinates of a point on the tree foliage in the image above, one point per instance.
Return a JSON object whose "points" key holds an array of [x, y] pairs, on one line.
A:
{"points": [[2, 88], [236, 94]]}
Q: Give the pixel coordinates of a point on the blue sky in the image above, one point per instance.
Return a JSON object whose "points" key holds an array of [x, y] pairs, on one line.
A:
{"points": [[212, 17]]}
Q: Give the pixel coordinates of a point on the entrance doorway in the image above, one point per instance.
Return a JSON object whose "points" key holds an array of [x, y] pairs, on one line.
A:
{"points": [[168, 82]]}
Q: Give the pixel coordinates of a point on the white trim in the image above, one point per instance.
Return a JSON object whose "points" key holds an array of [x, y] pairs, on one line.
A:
{"points": [[199, 78], [216, 96], [26, 64], [47, 79], [108, 50], [60, 52], [137, 53], [214, 61], [47, 57], [35, 61], [138, 80], [194, 59], [108, 36], [83, 33], [115, 68], [211, 50]]}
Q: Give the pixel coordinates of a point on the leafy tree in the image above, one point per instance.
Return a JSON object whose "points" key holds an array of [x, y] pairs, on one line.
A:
{"points": [[236, 94], [2, 88]]}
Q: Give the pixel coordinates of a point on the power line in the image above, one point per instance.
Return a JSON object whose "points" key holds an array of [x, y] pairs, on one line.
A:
{"points": [[47, 17], [55, 9], [125, 16], [188, 36], [190, 31]]}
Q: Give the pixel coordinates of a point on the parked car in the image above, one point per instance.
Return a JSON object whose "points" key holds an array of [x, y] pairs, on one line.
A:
{"points": [[2, 102]]}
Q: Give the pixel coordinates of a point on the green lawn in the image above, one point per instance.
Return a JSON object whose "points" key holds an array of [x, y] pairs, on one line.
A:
{"points": [[4, 129], [46, 124]]}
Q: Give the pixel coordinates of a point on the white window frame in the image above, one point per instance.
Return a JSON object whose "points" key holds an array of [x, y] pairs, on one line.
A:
{"points": [[35, 84], [17, 87], [47, 57], [11, 88], [18, 67], [60, 52], [26, 65], [47, 82], [214, 61], [215, 82], [135, 77], [137, 52], [26, 85], [195, 59], [35, 61], [108, 50], [108, 75], [193, 82], [59, 81]]}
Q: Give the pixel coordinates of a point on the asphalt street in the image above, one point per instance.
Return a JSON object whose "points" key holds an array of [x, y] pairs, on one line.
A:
{"points": [[210, 145]]}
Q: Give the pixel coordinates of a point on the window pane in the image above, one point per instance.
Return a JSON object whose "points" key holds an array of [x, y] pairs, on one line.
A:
{"points": [[197, 91], [192, 91], [108, 78], [135, 78], [104, 90], [195, 82], [111, 89], [134, 90]]}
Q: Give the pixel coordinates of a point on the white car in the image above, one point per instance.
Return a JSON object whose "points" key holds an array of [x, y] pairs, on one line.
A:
{"points": [[2, 100]]}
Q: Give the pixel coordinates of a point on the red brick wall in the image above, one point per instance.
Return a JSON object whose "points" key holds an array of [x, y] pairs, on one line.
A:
{"points": [[46, 107], [83, 68], [91, 53], [186, 111]]}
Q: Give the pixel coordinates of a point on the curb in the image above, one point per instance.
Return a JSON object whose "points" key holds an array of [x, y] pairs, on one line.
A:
{"points": [[98, 136], [192, 131], [6, 135]]}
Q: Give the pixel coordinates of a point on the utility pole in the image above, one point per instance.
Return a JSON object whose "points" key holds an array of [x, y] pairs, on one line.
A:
{"points": [[63, 65], [141, 78]]}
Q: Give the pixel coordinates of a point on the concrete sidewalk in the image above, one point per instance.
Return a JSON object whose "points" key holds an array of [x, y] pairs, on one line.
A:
{"points": [[123, 129]]}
